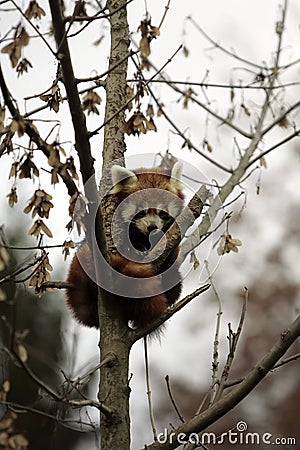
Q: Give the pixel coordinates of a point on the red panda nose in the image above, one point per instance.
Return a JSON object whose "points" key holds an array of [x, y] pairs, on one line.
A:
{"points": [[152, 227]]}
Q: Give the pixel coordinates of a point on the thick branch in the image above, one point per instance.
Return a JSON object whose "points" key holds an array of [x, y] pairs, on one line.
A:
{"points": [[176, 232], [82, 143], [33, 134], [113, 386]]}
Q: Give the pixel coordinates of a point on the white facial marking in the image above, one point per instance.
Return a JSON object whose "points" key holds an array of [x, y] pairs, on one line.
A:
{"points": [[128, 210], [147, 221], [173, 208]]}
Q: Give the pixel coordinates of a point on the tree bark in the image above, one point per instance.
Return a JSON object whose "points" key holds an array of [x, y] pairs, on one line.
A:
{"points": [[114, 337]]}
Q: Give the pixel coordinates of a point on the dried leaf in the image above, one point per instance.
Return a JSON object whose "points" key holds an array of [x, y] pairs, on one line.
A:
{"points": [[4, 258], [34, 11], [12, 197], [98, 41], [151, 125], [23, 66], [246, 110], [18, 442], [150, 110], [160, 111], [148, 32], [8, 420], [90, 100], [194, 260], [129, 96], [68, 244], [186, 51], [2, 295], [46, 230], [28, 168], [53, 99], [144, 46], [54, 176], [13, 170], [18, 125], [14, 51], [262, 162], [37, 227], [6, 386], [23, 37], [22, 352], [187, 97], [228, 244], [232, 95]]}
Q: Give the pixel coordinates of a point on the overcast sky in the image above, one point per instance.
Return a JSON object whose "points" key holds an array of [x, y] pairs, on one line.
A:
{"points": [[245, 27]]}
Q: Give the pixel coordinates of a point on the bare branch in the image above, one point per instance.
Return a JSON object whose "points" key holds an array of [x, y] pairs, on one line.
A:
{"points": [[205, 85], [109, 118], [215, 362], [237, 394], [193, 239], [176, 232], [34, 135], [223, 49], [233, 339], [281, 363], [142, 332], [167, 378], [279, 144], [150, 406], [65, 422]]}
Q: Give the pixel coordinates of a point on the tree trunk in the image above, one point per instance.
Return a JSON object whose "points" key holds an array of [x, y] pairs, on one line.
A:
{"points": [[113, 388]]}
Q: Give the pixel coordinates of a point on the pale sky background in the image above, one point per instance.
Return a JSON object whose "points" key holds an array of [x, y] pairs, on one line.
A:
{"points": [[248, 28]]}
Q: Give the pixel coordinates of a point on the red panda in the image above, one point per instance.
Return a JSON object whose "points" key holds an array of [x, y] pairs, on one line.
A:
{"points": [[148, 201]]}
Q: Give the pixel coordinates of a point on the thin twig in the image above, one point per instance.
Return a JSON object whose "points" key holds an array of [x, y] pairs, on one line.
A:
{"points": [[215, 362], [279, 144], [180, 417], [19, 409], [12, 276], [150, 406], [223, 49], [107, 361], [281, 363], [96, 131], [142, 332], [167, 7], [34, 27], [233, 341], [205, 85], [237, 394]]}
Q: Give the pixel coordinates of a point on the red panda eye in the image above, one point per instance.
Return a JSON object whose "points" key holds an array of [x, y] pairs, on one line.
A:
{"points": [[140, 214], [163, 214]]}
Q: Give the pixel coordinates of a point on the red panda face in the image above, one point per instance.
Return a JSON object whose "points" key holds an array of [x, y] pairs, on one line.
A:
{"points": [[148, 220], [148, 213], [149, 201]]}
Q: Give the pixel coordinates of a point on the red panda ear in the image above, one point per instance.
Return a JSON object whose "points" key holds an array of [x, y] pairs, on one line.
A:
{"points": [[121, 177], [176, 172]]}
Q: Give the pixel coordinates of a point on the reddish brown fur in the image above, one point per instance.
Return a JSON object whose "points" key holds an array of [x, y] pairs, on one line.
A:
{"points": [[82, 297]]}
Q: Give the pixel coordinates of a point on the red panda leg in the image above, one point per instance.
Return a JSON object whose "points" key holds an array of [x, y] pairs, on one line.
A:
{"points": [[148, 305], [82, 296]]}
